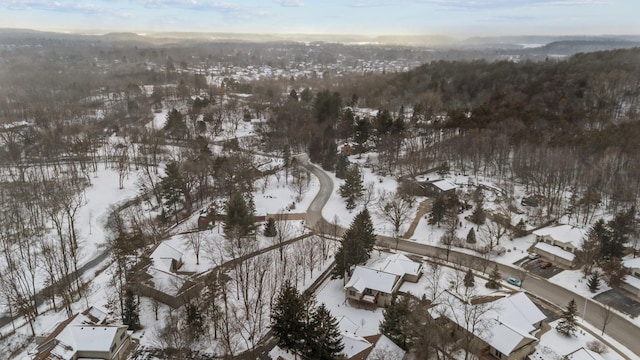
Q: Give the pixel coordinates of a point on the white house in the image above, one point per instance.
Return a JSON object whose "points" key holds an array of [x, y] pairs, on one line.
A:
{"points": [[372, 286], [511, 323], [400, 265], [84, 336], [166, 258], [565, 239]]}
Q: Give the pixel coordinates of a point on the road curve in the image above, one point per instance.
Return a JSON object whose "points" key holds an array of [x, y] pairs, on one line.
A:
{"points": [[619, 327]]}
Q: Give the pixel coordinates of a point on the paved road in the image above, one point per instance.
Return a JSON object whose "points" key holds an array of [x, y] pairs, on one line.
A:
{"points": [[619, 326]]}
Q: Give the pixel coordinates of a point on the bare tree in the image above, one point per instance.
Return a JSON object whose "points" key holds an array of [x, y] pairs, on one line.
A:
{"points": [[195, 241], [607, 316], [395, 209]]}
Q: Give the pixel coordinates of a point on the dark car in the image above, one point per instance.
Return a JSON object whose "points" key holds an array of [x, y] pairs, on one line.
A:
{"points": [[544, 265]]}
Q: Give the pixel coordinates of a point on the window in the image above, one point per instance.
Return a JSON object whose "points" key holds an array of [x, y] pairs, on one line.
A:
{"points": [[368, 292], [122, 335], [352, 293], [113, 347], [569, 249]]}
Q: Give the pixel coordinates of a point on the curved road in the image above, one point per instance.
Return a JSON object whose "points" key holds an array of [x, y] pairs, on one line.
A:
{"points": [[619, 326]]}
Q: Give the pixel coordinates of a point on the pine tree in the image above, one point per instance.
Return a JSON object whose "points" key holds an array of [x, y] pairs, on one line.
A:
{"points": [[286, 318], [567, 325], [438, 210], [323, 337], [341, 166], [356, 245], [330, 156], [594, 282], [175, 125], [172, 189], [239, 220], [494, 279], [478, 216], [270, 228], [471, 236], [130, 312], [469, 279], [394, 321], [194, 322], [352, 187]]}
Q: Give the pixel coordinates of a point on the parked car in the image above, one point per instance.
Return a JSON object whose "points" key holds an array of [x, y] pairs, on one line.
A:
{"points": [[514, 281], [544, 265], [534, 256]]}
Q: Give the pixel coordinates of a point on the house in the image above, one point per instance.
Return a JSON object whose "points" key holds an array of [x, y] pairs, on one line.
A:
{"points": [[166, 258], [632, 281], [372, 286], [438, 187], [377, 284], [371, 347], [559, 243], [84, 336], [510, 325], [401, 265]]}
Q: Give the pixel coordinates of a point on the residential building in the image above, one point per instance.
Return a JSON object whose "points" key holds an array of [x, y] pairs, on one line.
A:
{"points": [[84, 336], [559, 243], [632, 281]]}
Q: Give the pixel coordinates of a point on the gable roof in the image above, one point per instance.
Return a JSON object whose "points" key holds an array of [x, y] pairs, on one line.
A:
{"points": [[366, 278], [164, 255], [444, 185], [563, 233], [632, 263], [399, 264], [555, 250]]}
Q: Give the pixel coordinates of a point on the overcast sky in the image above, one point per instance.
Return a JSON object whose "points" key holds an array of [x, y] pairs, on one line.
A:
{"points": [[446, 17]]}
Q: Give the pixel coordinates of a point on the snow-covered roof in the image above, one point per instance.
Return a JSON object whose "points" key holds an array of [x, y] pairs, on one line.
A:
{"points": [[164, 255], [386, 348], [366, 278], [584, 354], [354, 345], [633, 281], [563, 233], [632, 263], [555, 250], [347, 326], [165, 281], [164, 250], [93, 338], [513, 318], [510, 321], [503, 337], [444, 185], [399, 264]]}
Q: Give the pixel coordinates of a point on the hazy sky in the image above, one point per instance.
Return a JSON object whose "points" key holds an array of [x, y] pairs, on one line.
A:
{"points": [[448, 17]]}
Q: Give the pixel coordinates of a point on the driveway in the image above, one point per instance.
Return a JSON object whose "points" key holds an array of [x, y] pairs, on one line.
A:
{"points": [[619, 300], [533, 266]]}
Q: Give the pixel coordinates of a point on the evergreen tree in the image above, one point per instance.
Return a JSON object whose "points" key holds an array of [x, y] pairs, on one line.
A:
{"points": [[323, 338], [329, 156], [175, 125], [352, 187], [469, 280], [620, 228], [594, 281], [356, 245], [341, 166], [270, 228], [614, 272], [494, 279], [394, 321], [172, 189], [194, 322], [438, 210], [361, 133], [286, 318], [239, 220], [130, 312], [471, 236], [567, 325], [478, 216]]}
